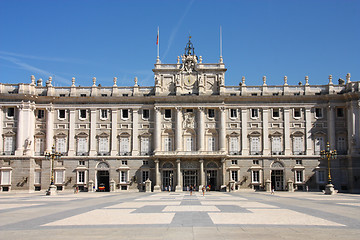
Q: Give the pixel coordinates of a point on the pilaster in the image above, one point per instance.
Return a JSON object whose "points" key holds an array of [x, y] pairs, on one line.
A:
{"points": [[223, 173], [266, 149], [331, 126], [201, 129], [49, 128], [157, 187], [71, 151], [244, 139], [157, 130], [178, 176], [178, 129], [308, 127], [19, 135], [222, 130], [287, 131], [113, 132], [93, 139], [135, 132], [202, 174]]}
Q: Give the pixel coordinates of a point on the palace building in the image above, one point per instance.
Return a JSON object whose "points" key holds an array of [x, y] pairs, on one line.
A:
{"points": [[189, 129]]}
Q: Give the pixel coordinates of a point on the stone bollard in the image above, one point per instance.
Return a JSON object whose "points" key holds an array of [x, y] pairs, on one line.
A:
{"points": [[91, 186], [148, 185], [268, 185], [290, 185], [112, 185]]}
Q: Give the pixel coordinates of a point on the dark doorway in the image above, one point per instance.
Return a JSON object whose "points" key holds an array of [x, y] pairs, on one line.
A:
{"points": [[212, 179], [189, 179], [168, 180], [103, 181], [277, 179]]}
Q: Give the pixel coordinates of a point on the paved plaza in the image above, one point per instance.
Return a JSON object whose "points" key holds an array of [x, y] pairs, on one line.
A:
{"points": [[216, 215]]}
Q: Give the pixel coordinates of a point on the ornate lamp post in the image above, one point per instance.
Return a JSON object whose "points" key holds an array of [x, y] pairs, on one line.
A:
{"points": [[52, 156], [329, 154]]}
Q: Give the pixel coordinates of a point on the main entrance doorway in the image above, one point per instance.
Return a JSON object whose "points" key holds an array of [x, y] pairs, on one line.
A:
{"points": [[190, 179], [168, 180], [211, 176], [277, 179], [103, 181]]}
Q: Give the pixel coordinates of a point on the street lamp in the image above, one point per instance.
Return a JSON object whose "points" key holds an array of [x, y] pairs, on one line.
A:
{"points": [[52, 156], [328, 154]]}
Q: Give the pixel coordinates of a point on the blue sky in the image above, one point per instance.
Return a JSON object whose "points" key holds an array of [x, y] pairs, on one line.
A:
{"points": [[106, 39]]}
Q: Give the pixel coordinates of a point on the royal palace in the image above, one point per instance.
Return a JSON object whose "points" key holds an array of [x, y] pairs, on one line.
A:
{"points": [[189, 129]]}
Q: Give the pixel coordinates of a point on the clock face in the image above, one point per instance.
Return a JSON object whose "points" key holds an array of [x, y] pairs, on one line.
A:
{"points": [[189, 80]]}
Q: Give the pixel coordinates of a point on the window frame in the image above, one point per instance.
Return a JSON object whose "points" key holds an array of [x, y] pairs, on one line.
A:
{"points": [[319, 113], [211, 113], [125, 112], [167, 113], [254, 113], [144, 113], [294, 113], [59, 114], [13, 112], [102, 115], [233, 113], [277, 111]]}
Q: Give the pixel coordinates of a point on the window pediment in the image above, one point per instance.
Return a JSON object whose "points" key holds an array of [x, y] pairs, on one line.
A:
{"points": [[61, 135], [9, 134], [275, 134], [82, 135], [254, 134], [297, 134], [40, 134], [103, 135]]}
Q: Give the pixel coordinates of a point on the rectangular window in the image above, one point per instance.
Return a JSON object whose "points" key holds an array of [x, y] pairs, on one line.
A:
{"points": [[298, 162], [256, 162], [5, 178], [318, 112], [340, 112], [234, 162], [125, 113], [254, 113], [37, 177], [211, 144], [297, 113], [145, 146], [167, 113], [39, 146], [234, 175], [255, 146], [298, 146], [168, 144], [234, 145], [82, 95], [319, 145], [211, 113], [40, 113], [145, 162], [81, 177], [61, 145], [82, 146], [82, 113], [103, 145], [145, 176], [255, 176], [103, 113], [276, 145], [123, 176], [59, 177], [10, 112], [299, 176], [9, 145], [61, 113], [321, 176], [81, 163], [189, 110], [146, 113], [124, 146], [189, 144], [124, 162], [233, 113], [275, 113]]}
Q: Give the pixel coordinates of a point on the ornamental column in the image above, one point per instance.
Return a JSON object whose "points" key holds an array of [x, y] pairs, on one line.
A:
{"points": [[135, 133], [178, 175], [71, 151], [244, 139], [331, 126], [201, 129], [202, 174], [49, 128], [157, 187], [222, 134], [223, 169], [113, 132], [19, 134], [265, 137], [308, 126], [178, 130], [157, 130], [93, 139], [287, 131]]}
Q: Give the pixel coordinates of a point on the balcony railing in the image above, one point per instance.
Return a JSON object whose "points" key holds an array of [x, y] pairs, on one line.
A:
{"points": [[103, 153], [124, 153], [82, 154], [255, 153], [299, 153], [8, 153], [188, 153], [235, 153]]}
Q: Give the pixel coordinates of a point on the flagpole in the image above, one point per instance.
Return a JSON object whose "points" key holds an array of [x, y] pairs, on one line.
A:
{"points": [[158, 47], [221, 59]]}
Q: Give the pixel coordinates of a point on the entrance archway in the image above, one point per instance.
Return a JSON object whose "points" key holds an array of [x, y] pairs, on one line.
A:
{"points": [[277, 176], [211, 175], [102, 177]]}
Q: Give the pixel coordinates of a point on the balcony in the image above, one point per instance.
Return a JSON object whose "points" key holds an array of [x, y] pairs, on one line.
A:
{"points": [[235, 153], [82, 154], [9, 153], [103, 154], [277, 153], [255, 153], [190, 153], [299, 153], [124, 153]]}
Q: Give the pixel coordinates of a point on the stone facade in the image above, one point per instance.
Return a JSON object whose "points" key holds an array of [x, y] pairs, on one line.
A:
{"points": [[187, 129]]}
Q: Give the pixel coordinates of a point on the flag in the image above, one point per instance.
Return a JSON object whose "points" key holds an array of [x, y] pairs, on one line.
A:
{"points": [[157, 38]]}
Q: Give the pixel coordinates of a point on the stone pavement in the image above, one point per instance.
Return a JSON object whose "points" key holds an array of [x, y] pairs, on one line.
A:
{"points": [[172, 215]]}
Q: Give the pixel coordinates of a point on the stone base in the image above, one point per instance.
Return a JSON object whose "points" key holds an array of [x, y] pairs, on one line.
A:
{"points": [[51, 191], [157, 188], [223, 188], [178, 189], [329, 189]]}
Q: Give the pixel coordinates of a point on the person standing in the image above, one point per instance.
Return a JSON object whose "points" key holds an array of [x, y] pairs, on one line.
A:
{"points": [[203, 190], [191, 190]]}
